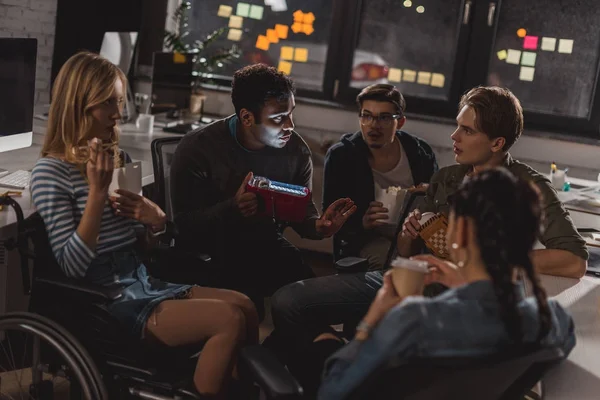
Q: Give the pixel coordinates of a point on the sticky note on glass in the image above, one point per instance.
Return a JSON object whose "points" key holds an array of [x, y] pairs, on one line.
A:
{"points": [[287, 53], [528, 58], [277, 5], [235, 35], [526, 74], [309, 18], [301, 55], [285, 67], [513, 56], [224, 11], [282, 31], [298, 16], [409, 75], [256, 12], [307, 29], [262, 43], [395, 75], [236, 21], [243, 9], [438, 80], [424, 78], [297, 27], [530, 42], [501, 55], [565, 46], [178, 58], [272, 36], [548, 44]]}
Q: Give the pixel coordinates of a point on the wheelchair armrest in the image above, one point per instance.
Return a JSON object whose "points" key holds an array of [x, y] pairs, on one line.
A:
{"points": [[270, 375], [351, 264], [79, 287], [203, 257]]}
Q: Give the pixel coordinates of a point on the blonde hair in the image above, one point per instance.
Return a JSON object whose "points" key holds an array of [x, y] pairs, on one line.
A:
{"points": [[86, 80]]}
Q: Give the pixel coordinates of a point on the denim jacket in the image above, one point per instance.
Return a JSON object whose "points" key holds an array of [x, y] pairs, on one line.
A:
{"points": [[464, 321]]}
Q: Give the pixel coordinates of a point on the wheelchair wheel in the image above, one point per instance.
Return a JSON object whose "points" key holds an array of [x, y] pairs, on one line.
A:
{"points": [[40, 360]]}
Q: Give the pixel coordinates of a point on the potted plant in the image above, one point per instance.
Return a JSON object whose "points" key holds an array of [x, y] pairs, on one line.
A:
{"points": [[206, 60]]}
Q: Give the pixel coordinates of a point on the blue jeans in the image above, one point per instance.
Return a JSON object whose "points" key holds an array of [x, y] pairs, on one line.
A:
{"points": [[305, 309]]}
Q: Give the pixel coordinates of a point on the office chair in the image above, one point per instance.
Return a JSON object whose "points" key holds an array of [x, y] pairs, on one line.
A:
{"points": [[507, 375], [162, 156]]}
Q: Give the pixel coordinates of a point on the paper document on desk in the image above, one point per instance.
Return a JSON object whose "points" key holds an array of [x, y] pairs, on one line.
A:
{"points": [[128, 178]]}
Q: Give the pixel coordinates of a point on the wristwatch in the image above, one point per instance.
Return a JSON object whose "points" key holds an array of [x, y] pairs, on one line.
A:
{"points": [[363, 330]]}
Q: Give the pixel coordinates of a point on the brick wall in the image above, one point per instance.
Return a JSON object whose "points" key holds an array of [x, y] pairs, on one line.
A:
{"points": [[33, 19]]}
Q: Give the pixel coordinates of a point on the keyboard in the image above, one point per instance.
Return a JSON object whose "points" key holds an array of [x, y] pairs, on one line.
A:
{"points": [[16, 180]]}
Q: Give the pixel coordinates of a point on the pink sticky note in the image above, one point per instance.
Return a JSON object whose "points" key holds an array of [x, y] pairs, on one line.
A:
{"points": [[530, 42]]}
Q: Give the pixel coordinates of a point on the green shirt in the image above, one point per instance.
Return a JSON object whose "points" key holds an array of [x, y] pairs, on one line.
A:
{"points": [[559, 231]]}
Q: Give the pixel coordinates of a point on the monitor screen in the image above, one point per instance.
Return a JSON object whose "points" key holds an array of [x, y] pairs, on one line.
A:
{"points": [[171, 81], [17, 92], [118, 48]]}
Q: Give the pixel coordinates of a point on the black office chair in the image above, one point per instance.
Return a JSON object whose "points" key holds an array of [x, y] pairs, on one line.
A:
{"points": [[504, 376], [162, 156]]}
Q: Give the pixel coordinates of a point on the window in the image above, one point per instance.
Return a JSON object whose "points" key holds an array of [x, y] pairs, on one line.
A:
{"points": [[408, 43], [547, 53], [292, 35]]}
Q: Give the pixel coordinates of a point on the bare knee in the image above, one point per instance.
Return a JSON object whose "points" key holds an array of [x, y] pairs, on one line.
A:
{"points": [[233, 321], [245, 304]]}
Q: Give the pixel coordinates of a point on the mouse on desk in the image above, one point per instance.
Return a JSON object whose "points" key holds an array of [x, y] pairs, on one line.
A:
{"points": [[174, 114]]}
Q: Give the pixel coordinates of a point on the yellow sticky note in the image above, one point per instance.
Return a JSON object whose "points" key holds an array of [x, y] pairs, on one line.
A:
{"points": [[224, 11], [438, 80], [262, 43], [282, 31], [287, 53], [526, 73], [548, 44], [236, 22], [395, 75], [235, 35], [272, 36], [256, 12], [243, 9], [301, 55], [513, 56], [565, 46], [502, 54], [178, 58], [424, 78], [285, 67], [409, 75]]}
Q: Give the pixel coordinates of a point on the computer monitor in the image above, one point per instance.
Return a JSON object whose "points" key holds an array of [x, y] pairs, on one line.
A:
{"points": [[171, 81], [17, 92], [118, 48]]}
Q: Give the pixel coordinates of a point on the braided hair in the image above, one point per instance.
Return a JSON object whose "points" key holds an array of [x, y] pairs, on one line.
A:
{"points": [[507, 214]]}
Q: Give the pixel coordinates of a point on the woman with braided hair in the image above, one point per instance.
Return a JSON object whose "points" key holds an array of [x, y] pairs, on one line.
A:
{"points": [[493, 224]]}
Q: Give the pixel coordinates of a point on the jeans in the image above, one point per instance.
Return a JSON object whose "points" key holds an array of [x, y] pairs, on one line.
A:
{"points": [[303, 310]]}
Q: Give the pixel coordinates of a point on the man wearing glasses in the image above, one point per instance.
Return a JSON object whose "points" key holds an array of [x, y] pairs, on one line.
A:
{"points": [[366, 163]]}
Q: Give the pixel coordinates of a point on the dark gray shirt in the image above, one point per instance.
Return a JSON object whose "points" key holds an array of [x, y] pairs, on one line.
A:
{"points": [[209, 166]]}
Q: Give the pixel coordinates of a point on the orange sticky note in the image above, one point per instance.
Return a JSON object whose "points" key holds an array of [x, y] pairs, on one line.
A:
{"points": [[262, 43], [297, 27], [301, 55], [309, 18], [272, 36], [178, 58], [285, 67], [298, 16], [308, 29], [282, 31], [287, 53]]}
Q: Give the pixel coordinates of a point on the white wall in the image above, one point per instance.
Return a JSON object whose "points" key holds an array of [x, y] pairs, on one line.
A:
{"points": [[33, 19]]}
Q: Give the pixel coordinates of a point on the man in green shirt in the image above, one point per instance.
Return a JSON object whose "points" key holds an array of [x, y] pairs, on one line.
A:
{"points": [[490, 121]]}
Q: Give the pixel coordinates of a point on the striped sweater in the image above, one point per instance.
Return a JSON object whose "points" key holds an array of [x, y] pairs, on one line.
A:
{"points": [[59, 193]]}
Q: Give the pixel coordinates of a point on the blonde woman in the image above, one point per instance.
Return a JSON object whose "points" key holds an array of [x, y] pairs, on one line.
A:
{"points": [[92, 235]]}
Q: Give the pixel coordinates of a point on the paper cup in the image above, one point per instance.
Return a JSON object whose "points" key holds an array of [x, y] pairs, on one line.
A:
{"points": [[393, 201], [408, 276]]}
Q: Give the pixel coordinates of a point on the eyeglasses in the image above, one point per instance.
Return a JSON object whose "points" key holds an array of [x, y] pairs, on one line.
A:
{"points": [[384, 119]]}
